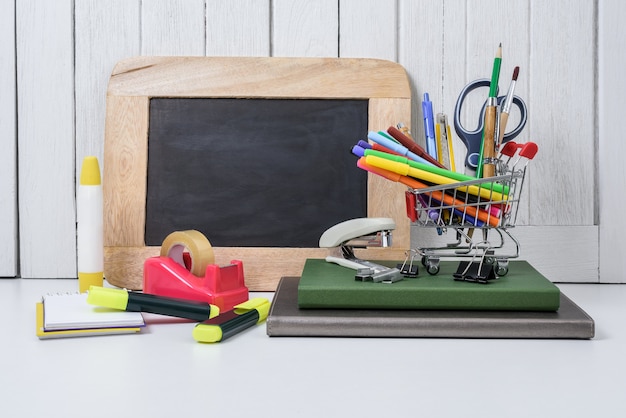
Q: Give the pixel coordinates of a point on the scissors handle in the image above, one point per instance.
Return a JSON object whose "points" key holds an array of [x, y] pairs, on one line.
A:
{"points": [[473, 139]]}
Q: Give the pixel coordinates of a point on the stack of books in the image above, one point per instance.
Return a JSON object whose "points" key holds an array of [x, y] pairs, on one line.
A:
{"points": [[328, 302]]}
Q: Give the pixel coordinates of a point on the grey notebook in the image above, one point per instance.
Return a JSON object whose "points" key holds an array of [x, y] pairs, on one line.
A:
{"points": [[287, 320]]}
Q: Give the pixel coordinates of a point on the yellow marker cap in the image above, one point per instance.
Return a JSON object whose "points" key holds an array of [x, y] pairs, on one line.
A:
{"points": [[108, 297], [207, 333], [262, 305], [90, 172]]}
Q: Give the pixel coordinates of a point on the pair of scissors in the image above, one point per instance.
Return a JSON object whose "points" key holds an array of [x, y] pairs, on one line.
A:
{"points": [[473, 139]]}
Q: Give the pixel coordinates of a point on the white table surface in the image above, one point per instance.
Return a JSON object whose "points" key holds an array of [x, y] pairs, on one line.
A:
{"points": [[163, 372]]}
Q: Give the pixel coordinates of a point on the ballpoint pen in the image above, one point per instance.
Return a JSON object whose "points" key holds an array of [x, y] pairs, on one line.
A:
{"points": [[429, 126]]}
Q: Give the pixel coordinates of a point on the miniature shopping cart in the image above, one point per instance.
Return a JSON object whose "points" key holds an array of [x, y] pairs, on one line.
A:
{"points": [[480, 212]]}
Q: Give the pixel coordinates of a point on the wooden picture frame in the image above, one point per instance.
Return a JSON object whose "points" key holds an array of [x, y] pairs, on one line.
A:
{"points": [[135, 81]]}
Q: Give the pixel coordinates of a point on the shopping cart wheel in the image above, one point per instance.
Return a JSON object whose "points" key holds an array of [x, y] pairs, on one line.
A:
{"points": [[501, 268], [432, 265], [432, 269]]}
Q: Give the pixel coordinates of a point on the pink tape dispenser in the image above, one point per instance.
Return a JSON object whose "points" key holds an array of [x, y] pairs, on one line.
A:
{"points": [[186, 270]]}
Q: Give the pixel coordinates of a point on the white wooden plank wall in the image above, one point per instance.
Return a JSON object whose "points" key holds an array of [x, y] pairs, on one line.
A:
{"points": [[184, 33], [106, 32], [45, 114], [8, 162], [611, 126], [305, 28], [238, 28], [64, 52]]}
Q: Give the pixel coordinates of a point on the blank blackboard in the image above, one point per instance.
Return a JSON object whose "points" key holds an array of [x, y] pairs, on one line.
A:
{"points": [[257, 172]]}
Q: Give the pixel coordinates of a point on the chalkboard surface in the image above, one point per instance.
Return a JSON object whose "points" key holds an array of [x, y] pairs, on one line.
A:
{"points": [[257, 172]]}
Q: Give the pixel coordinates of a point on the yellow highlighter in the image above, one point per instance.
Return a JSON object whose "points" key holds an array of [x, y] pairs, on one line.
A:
{"points": [[232, 322], [407, 170], [144, 302]]}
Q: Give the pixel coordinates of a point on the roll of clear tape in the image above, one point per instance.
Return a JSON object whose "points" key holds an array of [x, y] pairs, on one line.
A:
{"points": [[196, 244]]}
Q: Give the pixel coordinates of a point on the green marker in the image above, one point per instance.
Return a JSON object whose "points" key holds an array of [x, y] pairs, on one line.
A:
{"points": [[499, 188]]}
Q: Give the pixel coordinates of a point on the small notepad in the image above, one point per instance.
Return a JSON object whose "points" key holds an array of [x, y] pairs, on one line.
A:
{"points": [[72, 312]]}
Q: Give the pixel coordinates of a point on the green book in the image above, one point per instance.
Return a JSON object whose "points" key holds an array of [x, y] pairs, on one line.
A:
{"points": [[327, 285]]}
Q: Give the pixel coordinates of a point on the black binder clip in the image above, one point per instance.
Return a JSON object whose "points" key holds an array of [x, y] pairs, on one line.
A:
{"points": [[476, 272], [408, 269]]}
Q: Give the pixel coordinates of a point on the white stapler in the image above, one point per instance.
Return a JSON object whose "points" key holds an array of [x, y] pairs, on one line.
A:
{"points": [[362, 233]]}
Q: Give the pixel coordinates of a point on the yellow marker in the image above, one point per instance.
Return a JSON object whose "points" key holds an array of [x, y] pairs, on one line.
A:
{"points": [[232, 322], [144, 302], [407, 170], [89, 231]]}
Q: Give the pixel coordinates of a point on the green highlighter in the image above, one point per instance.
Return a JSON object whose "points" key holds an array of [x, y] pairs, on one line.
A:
{"points": [[243, 316]]}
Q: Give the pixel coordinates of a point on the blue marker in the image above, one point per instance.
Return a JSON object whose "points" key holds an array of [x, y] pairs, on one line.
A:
{"points": [[394, 146], [429, 127]]}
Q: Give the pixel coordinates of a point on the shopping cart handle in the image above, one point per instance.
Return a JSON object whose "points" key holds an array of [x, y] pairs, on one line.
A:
{"points": [[529, 150], [510, 148]]}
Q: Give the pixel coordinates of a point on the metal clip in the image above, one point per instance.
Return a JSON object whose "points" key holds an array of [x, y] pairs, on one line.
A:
{"points": [[389, 275], [409, 270]]}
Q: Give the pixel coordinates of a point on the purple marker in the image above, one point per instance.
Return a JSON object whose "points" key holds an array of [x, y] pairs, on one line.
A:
{"points": [[358, 151]]}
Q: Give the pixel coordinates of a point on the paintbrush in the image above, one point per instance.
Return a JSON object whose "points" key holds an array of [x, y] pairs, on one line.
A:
{"points": [[506, 106]]}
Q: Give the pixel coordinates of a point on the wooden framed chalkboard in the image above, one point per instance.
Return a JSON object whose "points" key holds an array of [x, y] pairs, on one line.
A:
{"points": [[253, 152]]}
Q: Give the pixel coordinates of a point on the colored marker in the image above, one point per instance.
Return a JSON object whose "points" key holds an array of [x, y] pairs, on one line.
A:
{"points": [[144, 302], [473, 211], [366, 145], [89, 229], [399, 136], [358, 151], [429, 127], [394, 146], [461, 216], [407, 170], [232, 322], [497, 187]]}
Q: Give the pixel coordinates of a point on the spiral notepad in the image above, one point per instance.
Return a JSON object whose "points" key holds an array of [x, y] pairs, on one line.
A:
{"points": [[66, 315]]}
